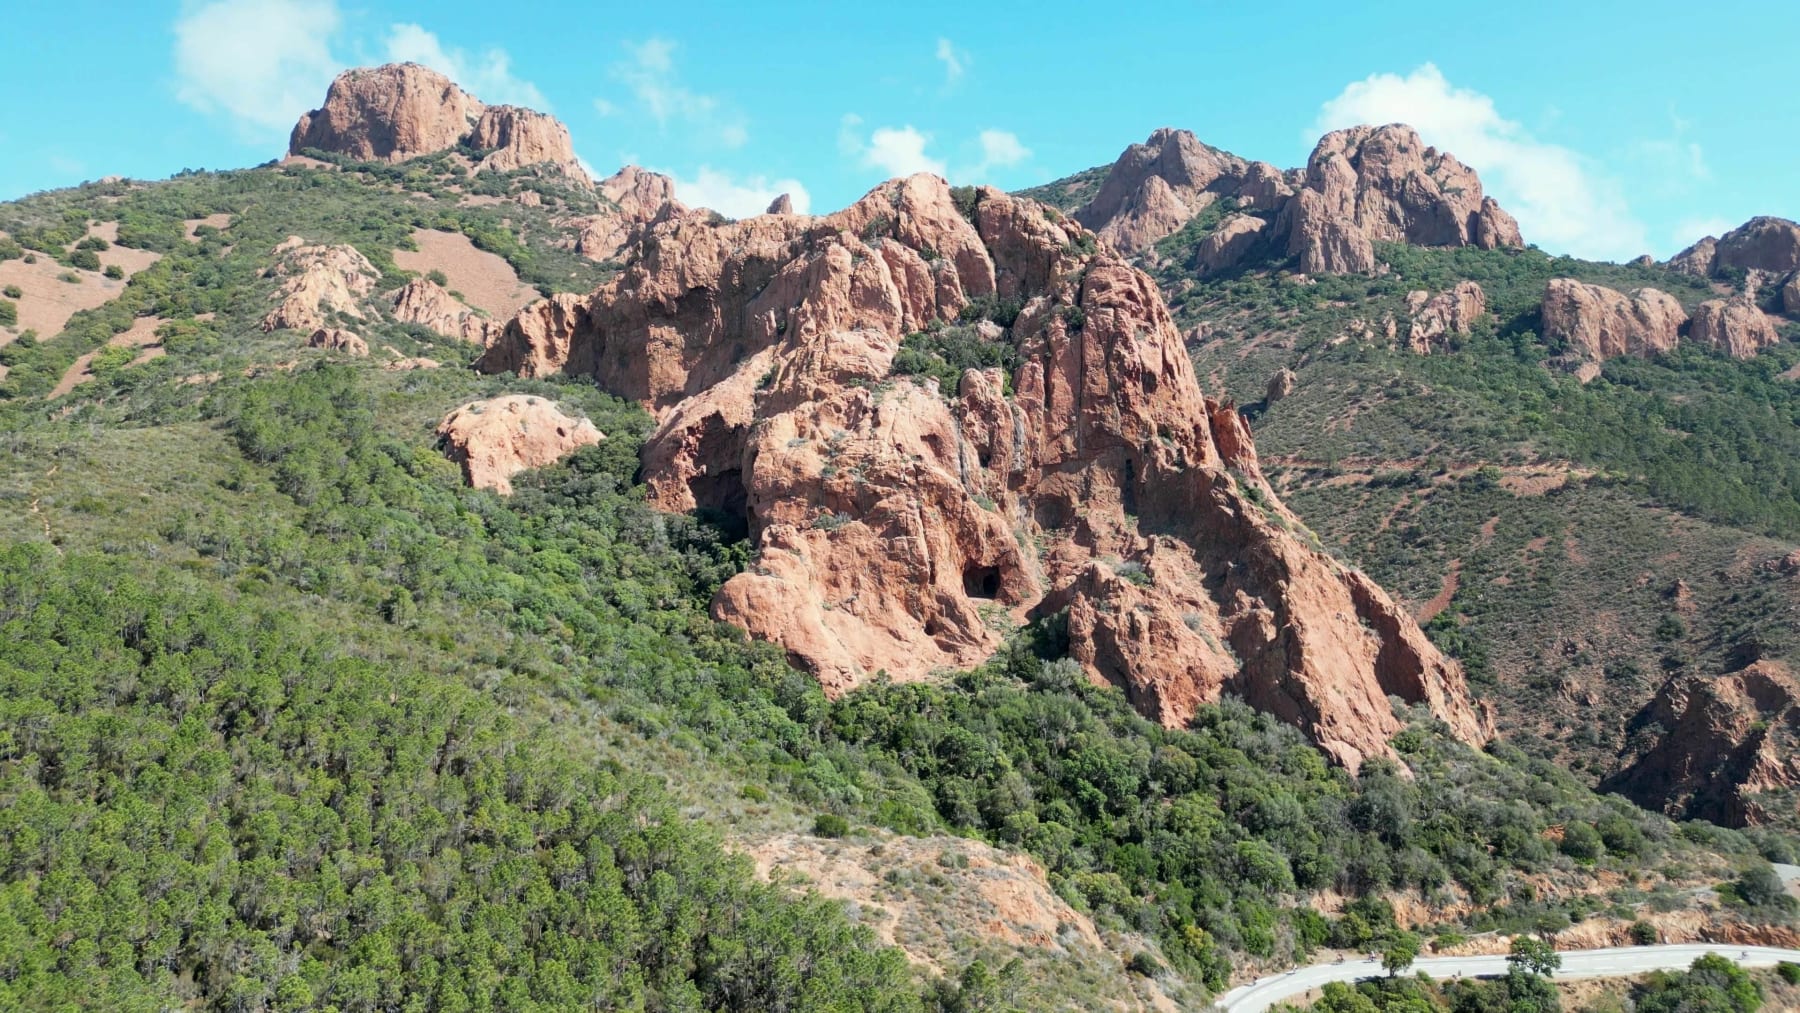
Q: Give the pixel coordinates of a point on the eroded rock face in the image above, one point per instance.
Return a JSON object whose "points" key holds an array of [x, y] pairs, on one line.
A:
{"points": [[1383, 184], [1227, 245], [639, 197], [897, 525], [336, 339], [1769, 245], [1435, 317], [1790, 296], [401, 110], [1156, 187], [426, 303], [782, 205], [494, 440], [1280, 385], [1603, 323], [1735, 326], [317, 280], [1730, 738], [1697, 259]]}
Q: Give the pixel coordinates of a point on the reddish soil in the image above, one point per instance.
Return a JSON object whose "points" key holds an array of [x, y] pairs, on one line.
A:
{"points": [[485, 280]]}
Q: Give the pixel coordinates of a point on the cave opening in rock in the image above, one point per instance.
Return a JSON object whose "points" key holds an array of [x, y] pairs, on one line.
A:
{"points": [[981, 581]]}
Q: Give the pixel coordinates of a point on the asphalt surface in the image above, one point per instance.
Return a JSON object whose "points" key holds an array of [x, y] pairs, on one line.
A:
{"points": [[1622, 961]]}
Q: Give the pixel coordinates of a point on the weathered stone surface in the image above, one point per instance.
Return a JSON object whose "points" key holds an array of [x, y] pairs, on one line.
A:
{"points": [[494, 440], [1697, 259], [1769, 245], [1435, 317], [1383, 184], [895, 522], [1280, 385], [782, 205], [1227, 245], [427, 304], [1735, 326], [400, 111], [316, 281], [1603, 323], [1790, 296], [335, 339], [1156, 187], [1730, 738], [639, 197]]}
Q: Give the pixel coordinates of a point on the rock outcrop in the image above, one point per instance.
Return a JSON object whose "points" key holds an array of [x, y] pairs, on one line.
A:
{"points": [[317, 281], [1602, 323], [782, 205], [426, 303], [494, 440], [1765, 245], [896, 524], [1367, 185], [401, 110], [1729, 738], [1280, 385], [1226, 246], [1735, 326], [336, 339], [638, 198], [1435, 317], [1156, 187], [1361, 186], [1790, 296]]}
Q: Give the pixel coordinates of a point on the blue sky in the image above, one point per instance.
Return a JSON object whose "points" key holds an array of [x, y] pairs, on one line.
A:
{"points": [[1608, 127]]}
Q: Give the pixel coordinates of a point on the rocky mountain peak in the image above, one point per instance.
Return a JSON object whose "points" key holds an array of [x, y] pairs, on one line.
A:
{"points": [[1362, 185], [901, 515], [399, 111]]}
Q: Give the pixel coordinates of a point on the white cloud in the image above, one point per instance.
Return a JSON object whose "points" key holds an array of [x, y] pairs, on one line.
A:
{"points": [[739, 198], [900, 151], [649, 74], [1563, 203], [955, 61], [1000, 149], [1691, 230], [261, 62], [488, 77]]}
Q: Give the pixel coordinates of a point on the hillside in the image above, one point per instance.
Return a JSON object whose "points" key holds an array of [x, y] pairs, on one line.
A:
{"points": [[322, 690], [1591, 515]]}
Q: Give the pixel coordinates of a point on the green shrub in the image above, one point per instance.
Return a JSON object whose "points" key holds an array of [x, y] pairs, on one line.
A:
{"points": [[114, 271], [830, 825], [437, 277], [12, 292], [1789, 972], [9, 313], [94, 243], [87, 260], [1643, 934]]}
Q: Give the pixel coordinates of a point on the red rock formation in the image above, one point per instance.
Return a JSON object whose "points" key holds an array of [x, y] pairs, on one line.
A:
{"points": [[638, 198], [494, 440], [401, 110], [316, 281], [1734, 325], [1227, 245], [897, 525], [334, 339], [1155, 187], [1382, 184], [424, 302], [1280, 385], [1770, 245], [1729, 738], [1436, 317], [782, 205], [1697, 259], [1790, 296], [1603, 323]]}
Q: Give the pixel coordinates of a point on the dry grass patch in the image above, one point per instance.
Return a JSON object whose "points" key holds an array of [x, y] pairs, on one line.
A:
{"points": [[485, 280]]}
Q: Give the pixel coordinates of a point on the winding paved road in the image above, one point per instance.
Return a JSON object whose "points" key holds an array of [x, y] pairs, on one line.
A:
{"points": [[1615, 962]]}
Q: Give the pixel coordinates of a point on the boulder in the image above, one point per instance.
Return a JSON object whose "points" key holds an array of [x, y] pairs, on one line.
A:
{"points": [[426, 303], [782, 205], [335, 339], [1769, 245], [1790, 296], [1435, 317], [894, 521], [1603, 322], [317, 280], [1735, 326], [494, 440], [1280, 385]]}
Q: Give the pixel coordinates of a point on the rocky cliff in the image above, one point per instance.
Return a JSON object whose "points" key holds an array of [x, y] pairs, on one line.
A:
{"points": [[1361, 186], [1730, 739], [401, 110], [1601, 323], [899, 527]]}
